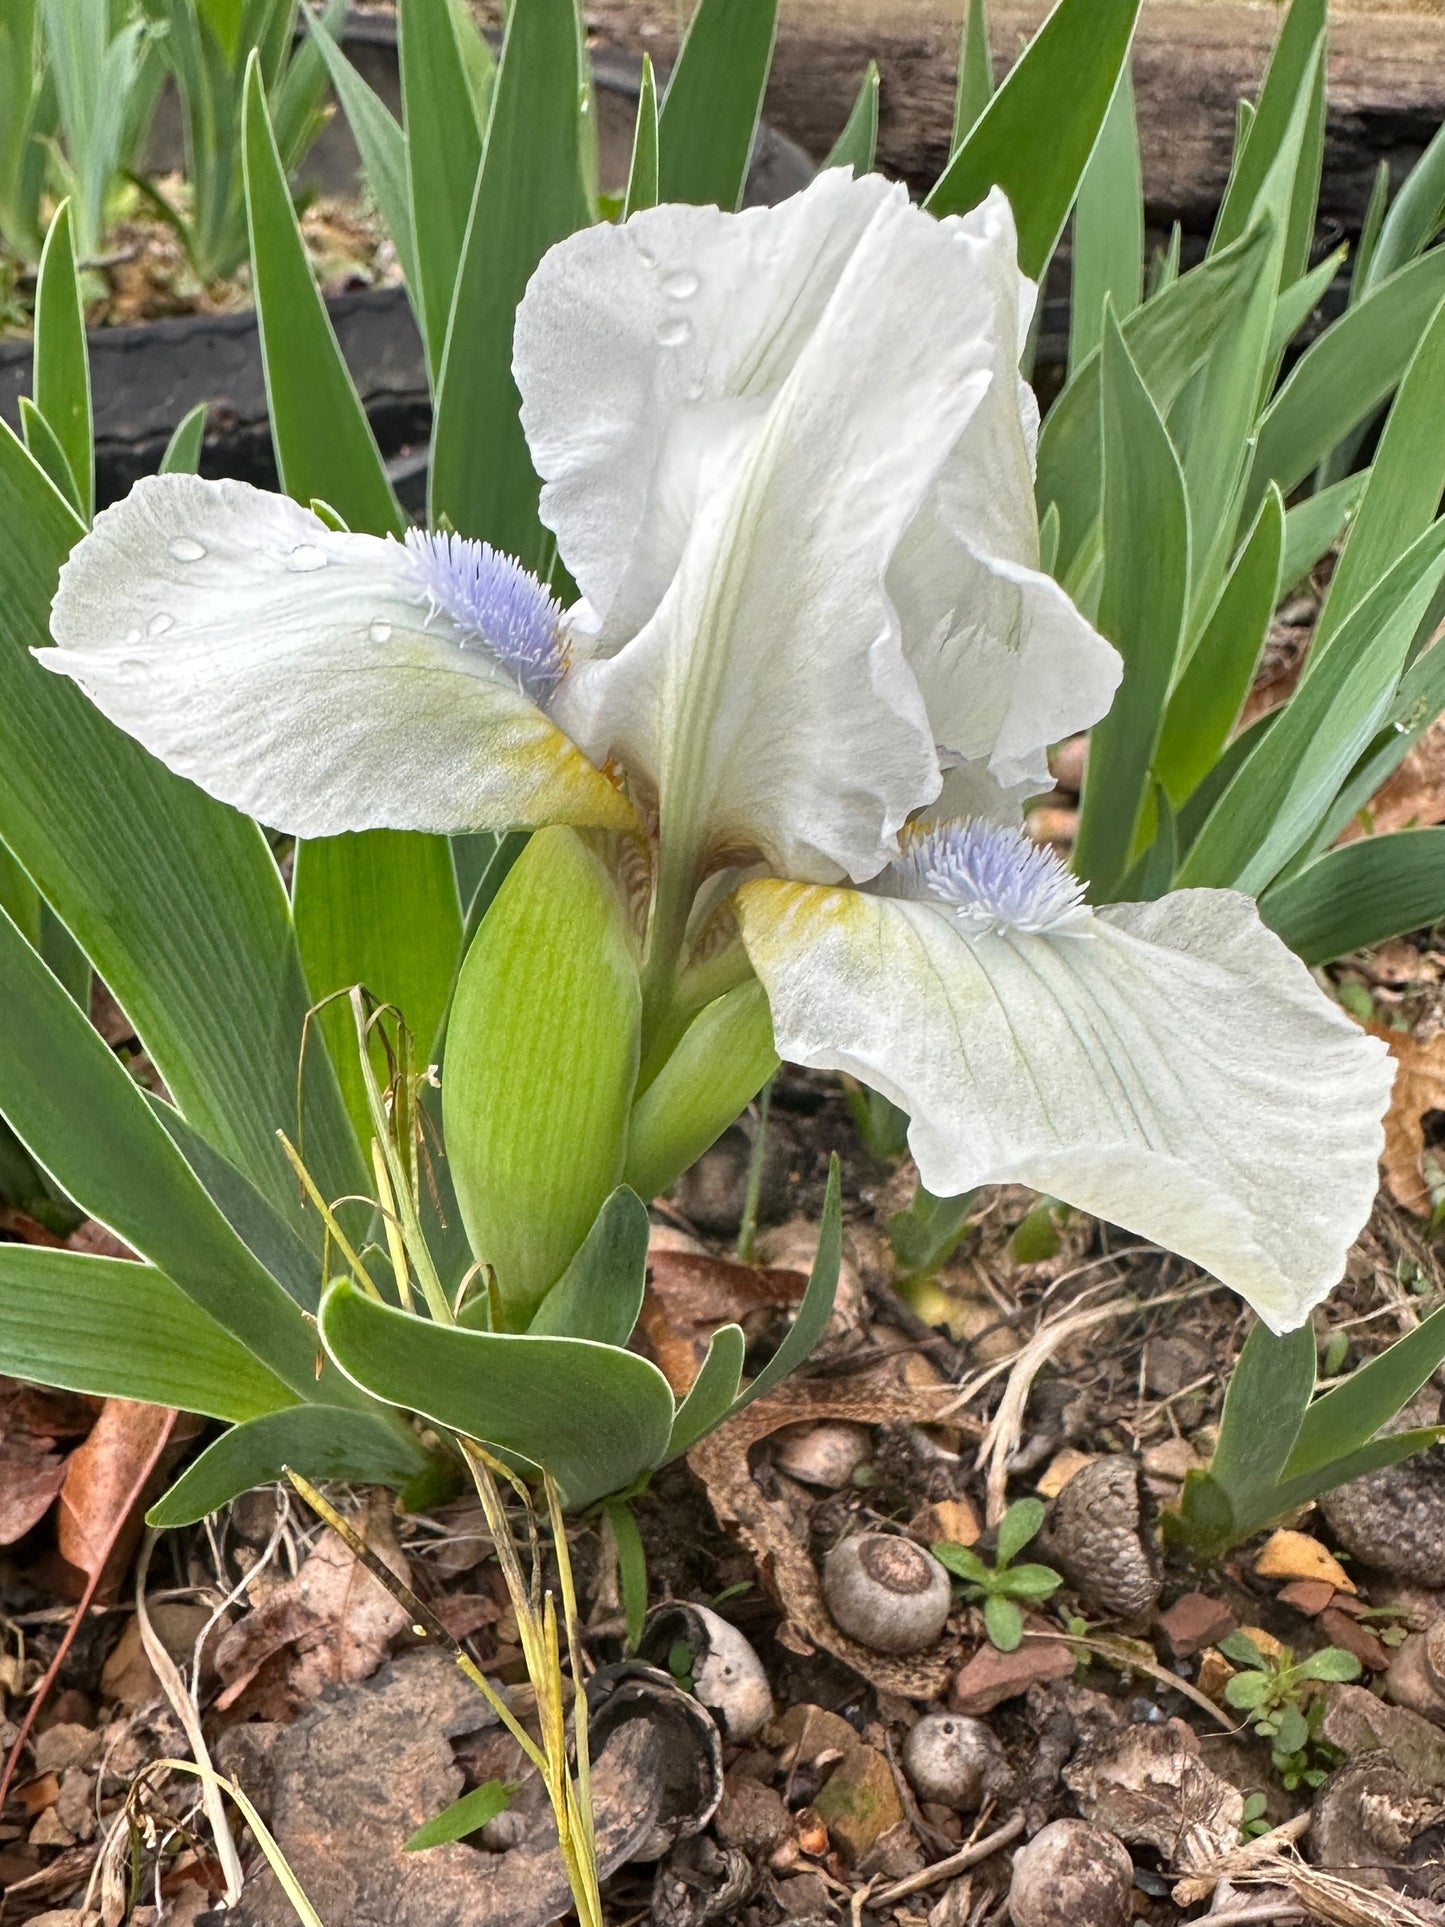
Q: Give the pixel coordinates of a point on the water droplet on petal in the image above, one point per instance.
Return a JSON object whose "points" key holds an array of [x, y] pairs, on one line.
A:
{"points": [[132, 637], [645, 255], [673, 334], [681, 285], [380, 632], [158, 625], [186, 548], [305, 557], [694, 391]]}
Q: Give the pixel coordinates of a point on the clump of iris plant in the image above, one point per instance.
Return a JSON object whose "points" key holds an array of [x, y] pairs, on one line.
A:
{"points": [[809, 677]]}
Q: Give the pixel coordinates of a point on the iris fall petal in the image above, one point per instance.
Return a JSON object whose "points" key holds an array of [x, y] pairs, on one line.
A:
{"points": [[308, 677], [1170, 1066]]}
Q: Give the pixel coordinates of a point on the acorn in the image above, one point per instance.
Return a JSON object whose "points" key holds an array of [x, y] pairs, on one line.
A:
{"points": [[955, 1762], [887, 1593], [1071, 1875], [825, 1454]]}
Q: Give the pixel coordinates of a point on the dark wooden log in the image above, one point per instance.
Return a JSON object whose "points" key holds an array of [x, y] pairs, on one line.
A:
{"points": [[1192, 63]]}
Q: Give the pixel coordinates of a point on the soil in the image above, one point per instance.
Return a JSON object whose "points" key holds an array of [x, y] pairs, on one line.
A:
{"points": [[143, 273]]}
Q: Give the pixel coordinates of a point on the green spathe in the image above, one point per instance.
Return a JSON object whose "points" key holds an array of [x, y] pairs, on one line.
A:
{"points": [[541, 1061]]}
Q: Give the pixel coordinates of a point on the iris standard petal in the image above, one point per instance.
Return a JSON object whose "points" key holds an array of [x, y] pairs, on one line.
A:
{"points": [[321, 681], [1170, 1067], [638, 347], [767, 700], [1006, 663]]}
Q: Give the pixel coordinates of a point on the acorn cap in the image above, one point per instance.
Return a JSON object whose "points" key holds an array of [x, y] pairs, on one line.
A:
{"points": [[1100, 1535], [886, 1592], [727, 1675]]}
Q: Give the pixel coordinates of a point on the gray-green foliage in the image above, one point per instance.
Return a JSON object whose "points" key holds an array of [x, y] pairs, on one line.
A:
{"points": [[1192, 386]]}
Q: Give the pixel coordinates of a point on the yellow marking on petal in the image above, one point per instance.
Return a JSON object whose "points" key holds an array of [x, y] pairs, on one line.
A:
{"points": [[775, 914]]}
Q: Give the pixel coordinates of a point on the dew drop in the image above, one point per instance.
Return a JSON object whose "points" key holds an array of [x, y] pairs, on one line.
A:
{"points": [[695, 391], [186, 548], [380, 632], [158, 625], [132, 637], [681, 285], [645, 255], [673, 334], [305, 557]]}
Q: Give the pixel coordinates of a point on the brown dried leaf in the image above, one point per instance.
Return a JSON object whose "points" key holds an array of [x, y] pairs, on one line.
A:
{"points": [[33, 1421], [1419, 1087], [690, 1293], [1149, 1785], [337, 1619], [103, 1495], [766, 1526]]}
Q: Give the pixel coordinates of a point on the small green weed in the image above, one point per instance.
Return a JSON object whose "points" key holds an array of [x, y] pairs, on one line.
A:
{"points": [[1002, 1585], [1275, 1693]]}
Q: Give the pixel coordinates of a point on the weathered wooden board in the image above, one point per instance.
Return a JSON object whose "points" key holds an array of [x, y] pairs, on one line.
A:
{"points": [[1192, 62]]}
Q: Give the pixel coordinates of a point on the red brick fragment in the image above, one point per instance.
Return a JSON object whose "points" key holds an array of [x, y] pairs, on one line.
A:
{"points": [[1194, 1622], [1307, 1596], [1341, 1630], [991, 1677]]}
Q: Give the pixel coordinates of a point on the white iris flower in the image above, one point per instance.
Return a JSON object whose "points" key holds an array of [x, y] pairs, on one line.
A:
{"points": [[814, 670]]}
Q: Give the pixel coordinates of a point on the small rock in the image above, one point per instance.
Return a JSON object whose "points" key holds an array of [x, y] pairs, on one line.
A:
{"points": [[1175, 1360], [951, 1519], [1171, 1461], [751, 1816], [859, 1801], [894, 1855], [805, 1733], [254, 1515], [60, 1747], [1394, 1520], [991, 1677], [50, 1831], [1307, 1596], [1071, 1875], [1099, 1534], [1060, 1469], [1358, 1723], [1295, 1555], [793, 1246], [75, 1804], [825, 1455], [1215, 1673], [956, 1762], [1194, 1622], [805, 1896], [65, 1917], [1067, 762], [712, 1193], [1414, 1678], [1340, 1630], [1266, 1642]]}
